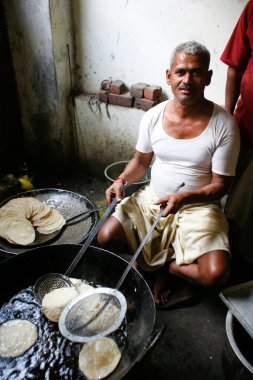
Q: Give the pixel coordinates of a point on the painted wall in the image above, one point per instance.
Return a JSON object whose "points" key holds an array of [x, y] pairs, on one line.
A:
{"points": [[118, 39], [132, 39]]}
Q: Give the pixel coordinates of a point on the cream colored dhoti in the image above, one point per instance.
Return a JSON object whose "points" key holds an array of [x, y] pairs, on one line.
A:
{"points": [[193, 231]]}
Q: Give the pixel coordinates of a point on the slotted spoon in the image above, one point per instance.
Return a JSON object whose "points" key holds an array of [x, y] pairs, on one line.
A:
{"points": [[51, 281]]}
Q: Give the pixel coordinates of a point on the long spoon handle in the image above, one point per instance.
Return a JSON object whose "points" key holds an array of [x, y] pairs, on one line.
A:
{"points": [[88, 212], [92, 235]]}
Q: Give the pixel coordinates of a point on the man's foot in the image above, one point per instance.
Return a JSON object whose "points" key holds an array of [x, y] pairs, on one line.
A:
{"points": [[178, 297], [170, 292], [161, 291]]}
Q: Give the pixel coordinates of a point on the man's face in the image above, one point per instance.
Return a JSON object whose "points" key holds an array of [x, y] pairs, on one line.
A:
{"points": [[188, 77]]}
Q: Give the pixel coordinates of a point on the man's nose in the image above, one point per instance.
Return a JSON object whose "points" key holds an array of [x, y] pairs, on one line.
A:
{"points": [[187, 77]]}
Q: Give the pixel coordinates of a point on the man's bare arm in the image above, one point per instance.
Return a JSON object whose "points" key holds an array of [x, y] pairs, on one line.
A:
{"points": [[134, 171], [215, 190]]}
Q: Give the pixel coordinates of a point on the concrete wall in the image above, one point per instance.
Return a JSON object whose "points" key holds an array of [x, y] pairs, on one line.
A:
{"points": [[132, 39], [104, 140], [117, 39], [39, 31], [11, 144]]}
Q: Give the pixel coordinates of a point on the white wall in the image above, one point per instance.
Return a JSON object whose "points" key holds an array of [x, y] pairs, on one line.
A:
{"points": [[129, 40], [104, 140], [132, 39]]}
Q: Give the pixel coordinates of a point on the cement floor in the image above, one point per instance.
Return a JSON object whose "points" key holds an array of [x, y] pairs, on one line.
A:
{"points": [[192, 343]]}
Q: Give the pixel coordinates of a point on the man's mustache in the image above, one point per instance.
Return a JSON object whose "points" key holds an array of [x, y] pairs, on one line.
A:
{"points": [[186, 87]]}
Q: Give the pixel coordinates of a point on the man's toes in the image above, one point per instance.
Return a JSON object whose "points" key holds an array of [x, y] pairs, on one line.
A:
{"points": [[157, 299], [165, 296]]}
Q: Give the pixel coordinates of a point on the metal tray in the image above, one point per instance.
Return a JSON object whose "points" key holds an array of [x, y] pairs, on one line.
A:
{"points": [[69, 204], [239, 299]]}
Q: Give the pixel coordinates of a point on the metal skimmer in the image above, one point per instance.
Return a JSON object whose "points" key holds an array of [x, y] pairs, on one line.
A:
{"points": [[101, 311]]}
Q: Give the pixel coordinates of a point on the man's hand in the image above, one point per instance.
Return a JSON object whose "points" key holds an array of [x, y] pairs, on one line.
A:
{"points": [[135, 170], [115, 190], [171, 203]]}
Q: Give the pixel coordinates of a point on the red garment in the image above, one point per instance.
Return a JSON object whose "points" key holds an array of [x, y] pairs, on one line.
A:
{"points": [[238, 54]]}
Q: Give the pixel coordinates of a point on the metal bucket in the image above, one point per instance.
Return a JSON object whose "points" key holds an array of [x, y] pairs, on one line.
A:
{"points": [[237, 357], [113, 171]]}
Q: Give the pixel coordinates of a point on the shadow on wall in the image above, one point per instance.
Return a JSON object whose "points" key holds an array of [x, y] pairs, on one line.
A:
{"points": [[12, 151]]}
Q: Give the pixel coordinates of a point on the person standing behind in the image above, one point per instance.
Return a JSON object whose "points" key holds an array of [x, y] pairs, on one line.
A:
{"points": [[238, 55]]}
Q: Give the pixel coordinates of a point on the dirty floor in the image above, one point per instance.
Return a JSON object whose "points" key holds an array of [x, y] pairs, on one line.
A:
{"points": [[194, 335]]}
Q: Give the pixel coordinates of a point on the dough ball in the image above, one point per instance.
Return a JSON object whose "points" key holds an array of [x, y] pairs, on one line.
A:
{"points": [[81, 286], [54, 302], [16, 336], [99, 358], [75, 281]]}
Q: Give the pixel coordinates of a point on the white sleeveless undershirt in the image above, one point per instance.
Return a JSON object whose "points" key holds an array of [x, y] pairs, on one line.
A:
{"points": [[193, 160]]}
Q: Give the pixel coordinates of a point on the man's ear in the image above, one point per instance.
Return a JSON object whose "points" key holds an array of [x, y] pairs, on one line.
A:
{"points": [[209, 77], [168, 76]]}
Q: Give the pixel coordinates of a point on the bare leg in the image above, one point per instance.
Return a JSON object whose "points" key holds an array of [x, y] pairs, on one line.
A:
{"points": [[210, 270], [112, 236]]}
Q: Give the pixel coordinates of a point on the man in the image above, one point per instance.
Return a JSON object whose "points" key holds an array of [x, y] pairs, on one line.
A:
{"points": [[193, 141]]}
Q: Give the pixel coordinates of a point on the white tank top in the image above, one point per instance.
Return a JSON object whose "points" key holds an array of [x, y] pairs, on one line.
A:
{"points": [[193, 160]]}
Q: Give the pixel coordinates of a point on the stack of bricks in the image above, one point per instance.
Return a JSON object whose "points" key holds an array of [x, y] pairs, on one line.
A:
{"points": [[145, 96], [115, 92], [141, 95]]}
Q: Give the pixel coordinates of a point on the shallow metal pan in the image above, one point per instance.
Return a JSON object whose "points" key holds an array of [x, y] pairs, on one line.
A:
{"points": [[69, 204]]}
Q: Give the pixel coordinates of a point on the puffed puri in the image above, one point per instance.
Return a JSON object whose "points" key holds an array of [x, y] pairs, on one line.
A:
{"points": [[99, 358]]}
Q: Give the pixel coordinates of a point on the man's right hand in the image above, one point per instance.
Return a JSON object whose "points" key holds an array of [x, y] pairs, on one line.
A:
{"points": [[115, 190]]}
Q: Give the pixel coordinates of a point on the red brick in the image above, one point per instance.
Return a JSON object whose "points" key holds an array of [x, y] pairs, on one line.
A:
{"points": [[152, 92], [145, 104], [117, 87], [137, 89], [124, 100]]}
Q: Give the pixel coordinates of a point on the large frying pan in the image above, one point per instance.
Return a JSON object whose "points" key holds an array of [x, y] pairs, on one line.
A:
{"points": [[98, 266]]}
